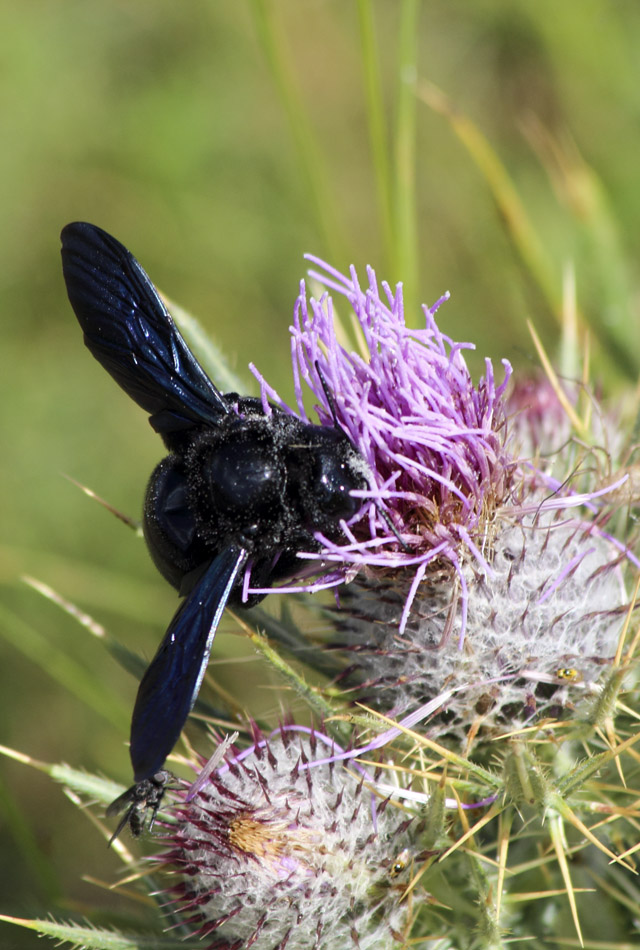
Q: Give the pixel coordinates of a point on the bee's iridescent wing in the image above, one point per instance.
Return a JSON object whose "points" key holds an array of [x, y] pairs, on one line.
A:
{"points": [[130, 332]]}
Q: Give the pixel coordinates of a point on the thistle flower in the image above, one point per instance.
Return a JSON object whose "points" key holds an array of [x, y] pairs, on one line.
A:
{"points": [[433, 442], [498, 575], [269, 852]]}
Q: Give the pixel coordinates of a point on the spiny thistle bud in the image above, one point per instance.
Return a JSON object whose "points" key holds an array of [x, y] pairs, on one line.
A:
{"points": [[498, 577], [539, 426], [273, 851]]}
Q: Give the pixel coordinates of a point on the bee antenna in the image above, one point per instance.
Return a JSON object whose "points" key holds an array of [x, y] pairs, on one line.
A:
{"points": [[392, 528], [328, 395]]}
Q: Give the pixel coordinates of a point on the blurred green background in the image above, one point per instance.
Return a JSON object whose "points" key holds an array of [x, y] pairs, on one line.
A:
{"points": [[219, 142]]}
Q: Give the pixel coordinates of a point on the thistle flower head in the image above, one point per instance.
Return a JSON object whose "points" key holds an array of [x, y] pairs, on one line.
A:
{"points": [[498, 575], [273, 852]]}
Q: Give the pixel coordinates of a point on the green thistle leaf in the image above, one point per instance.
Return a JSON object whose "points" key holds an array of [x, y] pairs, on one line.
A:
{"points": [[85, 937]]}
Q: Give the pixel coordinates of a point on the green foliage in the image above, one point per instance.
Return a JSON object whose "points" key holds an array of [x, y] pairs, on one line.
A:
{"points": [[220, 142]]}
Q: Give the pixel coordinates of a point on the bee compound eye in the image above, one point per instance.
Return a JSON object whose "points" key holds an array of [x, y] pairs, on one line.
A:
{"points": [[334, 481]]}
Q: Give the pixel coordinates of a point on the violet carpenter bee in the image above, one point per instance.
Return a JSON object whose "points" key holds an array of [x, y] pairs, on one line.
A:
{"points": [[242, 489]]}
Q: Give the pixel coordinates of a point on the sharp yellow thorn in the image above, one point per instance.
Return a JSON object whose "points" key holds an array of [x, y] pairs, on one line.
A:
{"points": [[557, 838], [576, 422]]}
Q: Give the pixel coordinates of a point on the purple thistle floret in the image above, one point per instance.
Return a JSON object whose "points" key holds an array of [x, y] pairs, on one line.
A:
{"points": [[271, 853], [433, 443]]}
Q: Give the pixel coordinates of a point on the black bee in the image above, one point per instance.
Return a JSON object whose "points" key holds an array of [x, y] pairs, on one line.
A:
{"points": [[240, 489]]}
